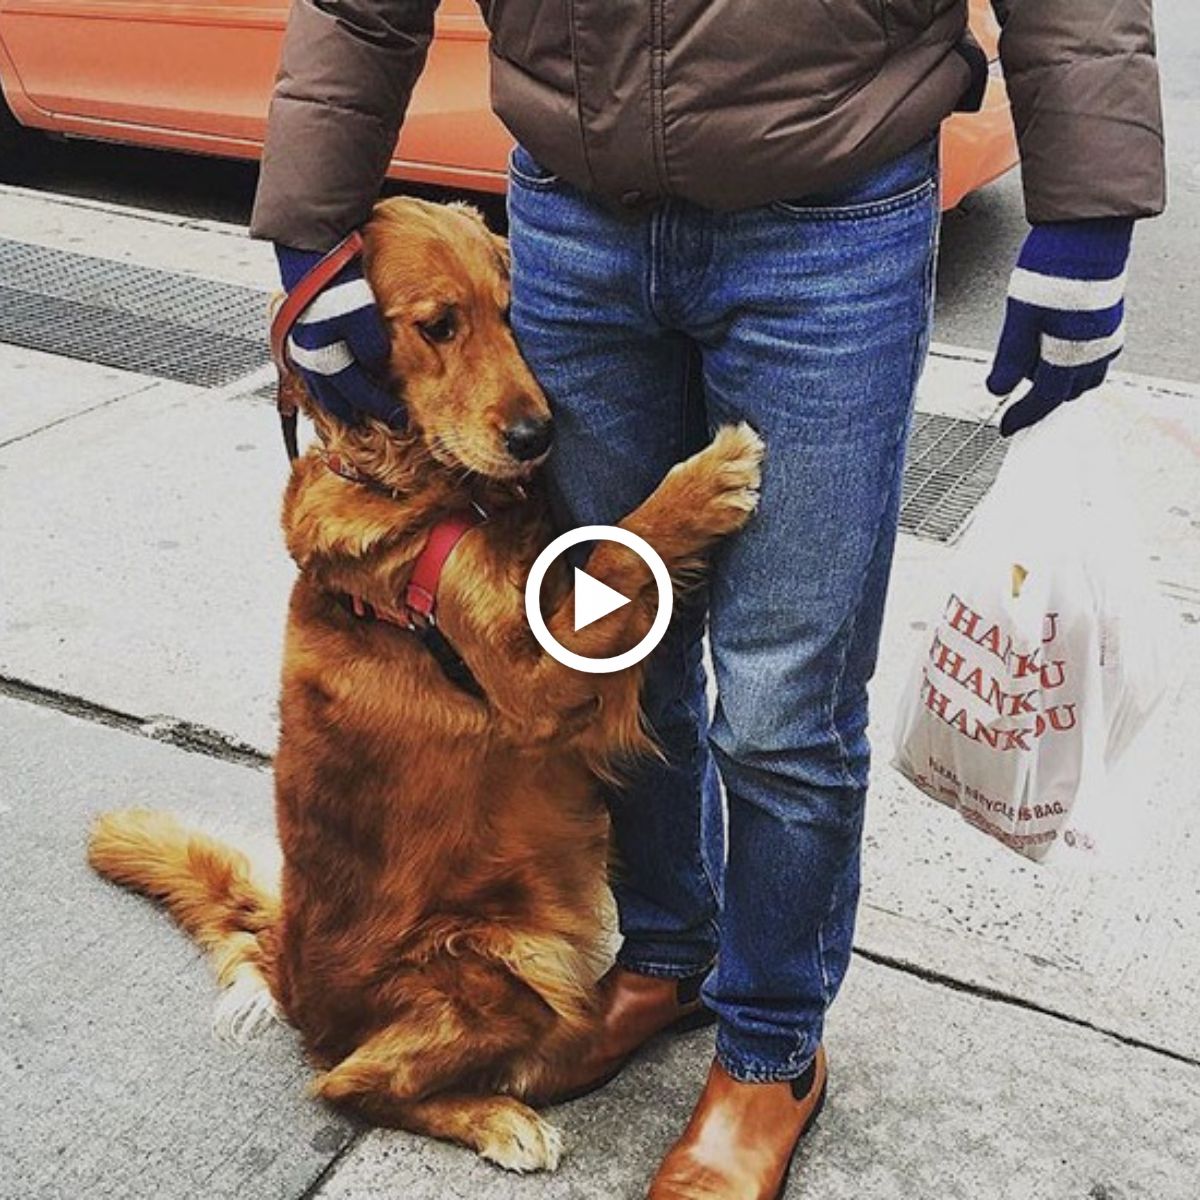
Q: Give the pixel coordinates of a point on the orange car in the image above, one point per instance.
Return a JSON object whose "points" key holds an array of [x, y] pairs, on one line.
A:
{"points": [[196, 75]]}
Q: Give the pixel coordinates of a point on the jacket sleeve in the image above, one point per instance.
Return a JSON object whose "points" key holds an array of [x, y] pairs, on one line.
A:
{"points": [[347, 72], [1084, 87]]}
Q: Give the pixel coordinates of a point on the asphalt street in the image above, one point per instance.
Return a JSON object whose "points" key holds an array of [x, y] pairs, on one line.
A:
{"points": [[979, 241]]}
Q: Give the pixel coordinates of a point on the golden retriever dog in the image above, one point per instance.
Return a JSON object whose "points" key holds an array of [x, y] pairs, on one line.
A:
{"points": [[437, 934]]}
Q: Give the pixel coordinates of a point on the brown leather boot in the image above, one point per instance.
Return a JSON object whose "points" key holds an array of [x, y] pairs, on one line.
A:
{"points": [[636, 1008], [742, 1137]]}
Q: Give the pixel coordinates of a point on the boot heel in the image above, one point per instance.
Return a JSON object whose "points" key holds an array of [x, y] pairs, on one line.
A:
{"points": [[812, 1120]]}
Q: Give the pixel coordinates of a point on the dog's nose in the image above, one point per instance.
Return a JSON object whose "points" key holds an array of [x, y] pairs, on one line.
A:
{"points": [[528, 439]]}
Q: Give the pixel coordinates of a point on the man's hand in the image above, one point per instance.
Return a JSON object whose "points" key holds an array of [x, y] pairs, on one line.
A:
{"points": [[1066, 316], [339, 343]]}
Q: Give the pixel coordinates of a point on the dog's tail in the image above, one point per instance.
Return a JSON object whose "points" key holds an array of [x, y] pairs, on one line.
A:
{"points": [[212, 891]]}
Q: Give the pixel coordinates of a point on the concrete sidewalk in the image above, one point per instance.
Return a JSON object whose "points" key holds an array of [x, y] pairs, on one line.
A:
{"points": [[1005, 1031]]}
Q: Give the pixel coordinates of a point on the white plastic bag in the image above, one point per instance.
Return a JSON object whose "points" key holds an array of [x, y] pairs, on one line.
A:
{"points": [[1045, 658]]}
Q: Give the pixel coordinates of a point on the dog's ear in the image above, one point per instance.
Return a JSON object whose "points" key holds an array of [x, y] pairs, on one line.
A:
{"points": [[499, 243], [501, 246], [468, 210]]}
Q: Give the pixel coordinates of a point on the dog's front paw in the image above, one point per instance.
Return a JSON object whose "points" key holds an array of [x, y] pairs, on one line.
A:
{"points": [[516, 1138], [737, 453], [722, 480], [703, 498]]}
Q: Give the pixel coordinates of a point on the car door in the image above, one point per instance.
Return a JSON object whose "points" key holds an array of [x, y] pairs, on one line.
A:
{"points": [[189, 66], [198, 74], [451, 136]]}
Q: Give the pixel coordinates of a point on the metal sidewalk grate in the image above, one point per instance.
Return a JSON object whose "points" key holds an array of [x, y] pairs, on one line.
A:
{"points": [[950, 467], [131, 317]]}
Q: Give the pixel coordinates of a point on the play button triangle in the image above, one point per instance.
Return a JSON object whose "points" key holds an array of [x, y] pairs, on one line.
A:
{"points": [[594, 599]]}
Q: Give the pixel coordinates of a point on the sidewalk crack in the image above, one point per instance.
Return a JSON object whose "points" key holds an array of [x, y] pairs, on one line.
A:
{"points": [[171, 731], [74, 416], [211, 743], [327, 1171], [983, 992]]}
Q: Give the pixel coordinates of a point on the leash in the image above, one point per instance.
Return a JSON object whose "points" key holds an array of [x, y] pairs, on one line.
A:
{"points": [[286, 316], [418, 611]]}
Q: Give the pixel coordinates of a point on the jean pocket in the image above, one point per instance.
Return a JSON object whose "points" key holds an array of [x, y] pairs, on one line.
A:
{"points": [[525, 170], [902, 183], [856, 212]]}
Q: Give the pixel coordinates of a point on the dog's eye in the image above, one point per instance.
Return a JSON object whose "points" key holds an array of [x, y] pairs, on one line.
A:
{"points": [[440, 330]]}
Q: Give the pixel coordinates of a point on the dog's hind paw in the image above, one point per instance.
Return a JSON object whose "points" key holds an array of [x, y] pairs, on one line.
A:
{"points": [[517, 1139], [246, 1009]]}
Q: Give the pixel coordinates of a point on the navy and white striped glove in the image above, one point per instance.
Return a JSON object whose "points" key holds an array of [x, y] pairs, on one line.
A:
{"points": [[1066, 316], [339, 343]]}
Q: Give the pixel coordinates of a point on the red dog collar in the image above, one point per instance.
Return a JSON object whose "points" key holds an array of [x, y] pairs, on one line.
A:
{"points": [[420, 593]]}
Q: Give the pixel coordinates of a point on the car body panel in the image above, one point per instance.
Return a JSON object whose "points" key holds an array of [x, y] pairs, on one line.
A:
{"points": [[197, 76]]}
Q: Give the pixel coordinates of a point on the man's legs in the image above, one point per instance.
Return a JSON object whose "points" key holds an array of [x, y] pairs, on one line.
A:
{"points": [[819, 315], [623, 393], [813, 318]]}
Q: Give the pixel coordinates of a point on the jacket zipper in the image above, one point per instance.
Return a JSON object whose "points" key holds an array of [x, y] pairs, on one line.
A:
{"points": [[657, 92], [572, 29]]}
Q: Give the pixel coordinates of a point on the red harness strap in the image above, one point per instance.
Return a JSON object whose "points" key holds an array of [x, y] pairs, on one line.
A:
{"points": [[419, 609], [420, 595], [418, 615]]}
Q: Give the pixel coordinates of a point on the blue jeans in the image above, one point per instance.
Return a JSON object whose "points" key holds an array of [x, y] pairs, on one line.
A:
{"points": [[809, 319]]}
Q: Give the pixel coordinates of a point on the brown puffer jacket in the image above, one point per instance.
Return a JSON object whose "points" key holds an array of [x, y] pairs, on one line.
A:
{"points": [[728, 103]]}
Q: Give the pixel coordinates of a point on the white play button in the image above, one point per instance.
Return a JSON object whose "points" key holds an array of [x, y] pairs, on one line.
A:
{"points": [[594, 599]]}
